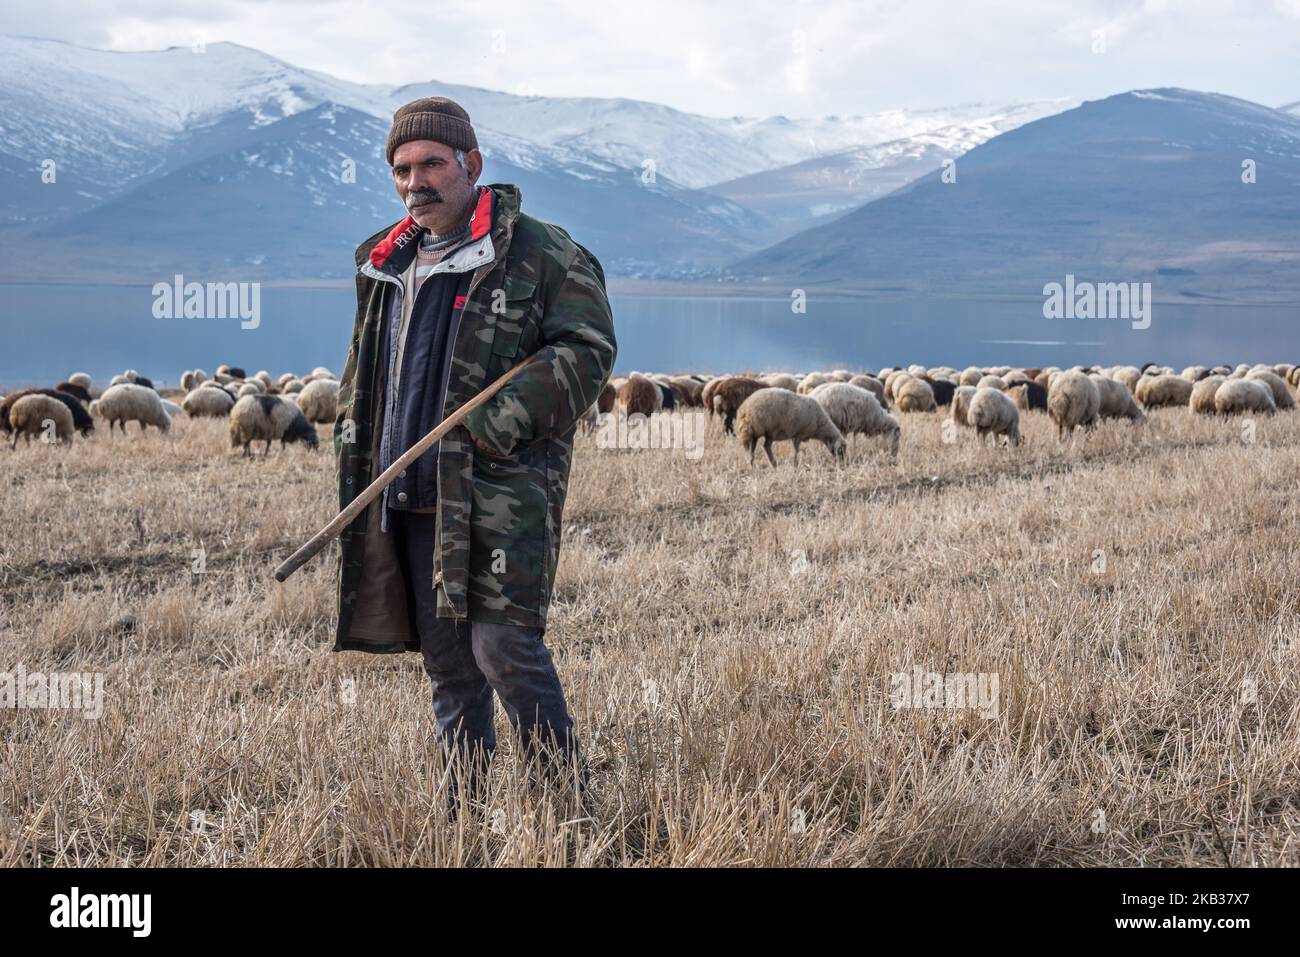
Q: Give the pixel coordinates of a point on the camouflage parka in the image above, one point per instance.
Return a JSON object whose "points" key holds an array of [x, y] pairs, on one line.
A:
{"points": [[537, 292]]}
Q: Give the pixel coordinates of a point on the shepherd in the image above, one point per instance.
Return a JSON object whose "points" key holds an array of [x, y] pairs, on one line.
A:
{"points": [[456, 558]]}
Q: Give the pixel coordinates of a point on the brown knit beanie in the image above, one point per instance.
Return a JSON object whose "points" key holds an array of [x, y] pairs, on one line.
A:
{"points": [[432, 118]]}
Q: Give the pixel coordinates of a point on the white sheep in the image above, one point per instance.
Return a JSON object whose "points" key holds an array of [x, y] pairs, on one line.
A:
{"points": [[251, 387], [811, 381], [871, 384], [128, 402], [961, 404], [782, 380], [1282, 397], [776, 415], [207, 400], [1244, 395], [970, 376], [1161, 390], [992, 382], [1072, 401], [856, 411], [992, 413], [319, 400], [81, 379], [1202, 400], [913, 395], [1117, 401]]}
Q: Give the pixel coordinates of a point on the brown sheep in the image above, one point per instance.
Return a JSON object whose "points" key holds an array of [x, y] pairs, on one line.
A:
{"points": [[729, 394], [639, 396]]}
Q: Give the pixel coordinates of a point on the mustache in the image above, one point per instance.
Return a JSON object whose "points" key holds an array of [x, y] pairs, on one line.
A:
{"points": [[421, 197]]}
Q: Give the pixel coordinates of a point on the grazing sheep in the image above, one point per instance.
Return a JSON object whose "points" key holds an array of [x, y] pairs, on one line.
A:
{"points": [[992, 382], [187, 380], [319, 400], [1282, 397], [80, 393], [171, 408], [782, 380], [1244, 395], [1028, 396], [942, 389], [33, 413], [686, 391], [970, 376], [1202, 400], [132, 403], [1195, 373], [250, 388], [1117, 401], [1129, 375], [293, 385], [667, 397], [81, 379], [776, 415], [856, 411], [811, 381], [81, 419], [1161, 390], [267, 418], [320, 372], [1073, 401], [730, 394], [961, 404], [914, 395], [893, 381], [1239, 372], [871, 384], [992, 414], [638, 396]]}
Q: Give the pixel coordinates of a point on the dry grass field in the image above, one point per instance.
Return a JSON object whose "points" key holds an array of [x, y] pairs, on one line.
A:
{"points": [[726, 638]]}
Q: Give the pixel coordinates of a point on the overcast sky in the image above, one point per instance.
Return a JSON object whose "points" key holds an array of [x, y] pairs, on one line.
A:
{"points": [[751, 57]]}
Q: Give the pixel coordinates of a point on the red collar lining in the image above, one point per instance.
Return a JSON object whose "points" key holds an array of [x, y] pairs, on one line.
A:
{"points": [[401, 234]]}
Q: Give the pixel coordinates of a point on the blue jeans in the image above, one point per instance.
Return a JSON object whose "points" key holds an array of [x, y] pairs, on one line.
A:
{"points": [[468, 661]]}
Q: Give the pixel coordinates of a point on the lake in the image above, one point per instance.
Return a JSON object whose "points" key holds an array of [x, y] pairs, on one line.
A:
{"points": [[51, 331]]}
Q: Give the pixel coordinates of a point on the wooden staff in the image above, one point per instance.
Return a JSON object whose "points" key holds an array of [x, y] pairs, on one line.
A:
{"points": [[371, 491]]}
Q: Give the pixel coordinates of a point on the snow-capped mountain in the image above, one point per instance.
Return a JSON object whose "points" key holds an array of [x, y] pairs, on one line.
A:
{"points": [[1197, 193], [149, 141]]}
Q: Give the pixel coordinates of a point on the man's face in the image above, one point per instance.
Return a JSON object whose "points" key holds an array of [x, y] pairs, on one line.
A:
{"points": [[438, 192]]}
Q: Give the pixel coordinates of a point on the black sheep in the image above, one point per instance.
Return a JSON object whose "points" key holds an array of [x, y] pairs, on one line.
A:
{"points": [[71, 388], [943, 390]]}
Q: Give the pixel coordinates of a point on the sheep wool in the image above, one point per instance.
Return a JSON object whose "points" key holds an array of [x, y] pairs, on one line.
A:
{"points": [[639, 395], [129, 402], [775, 415], [1157, 391], [81, 379], [207, 401], [1073, 401], [1240, 395], [1117, 401], [1202, 400], [265, 418], [993, 414], [914, 395], [33, 414], [856, 411], [1282, 397], [319, 400], [961, 404]]}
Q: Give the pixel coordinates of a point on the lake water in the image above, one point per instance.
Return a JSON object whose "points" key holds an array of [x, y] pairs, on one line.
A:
{"points": [[51, 331]]}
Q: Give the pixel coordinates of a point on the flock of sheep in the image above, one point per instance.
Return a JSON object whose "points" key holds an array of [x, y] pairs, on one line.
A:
{"points": [[827, 407], [830, 406], [258, 408]]}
